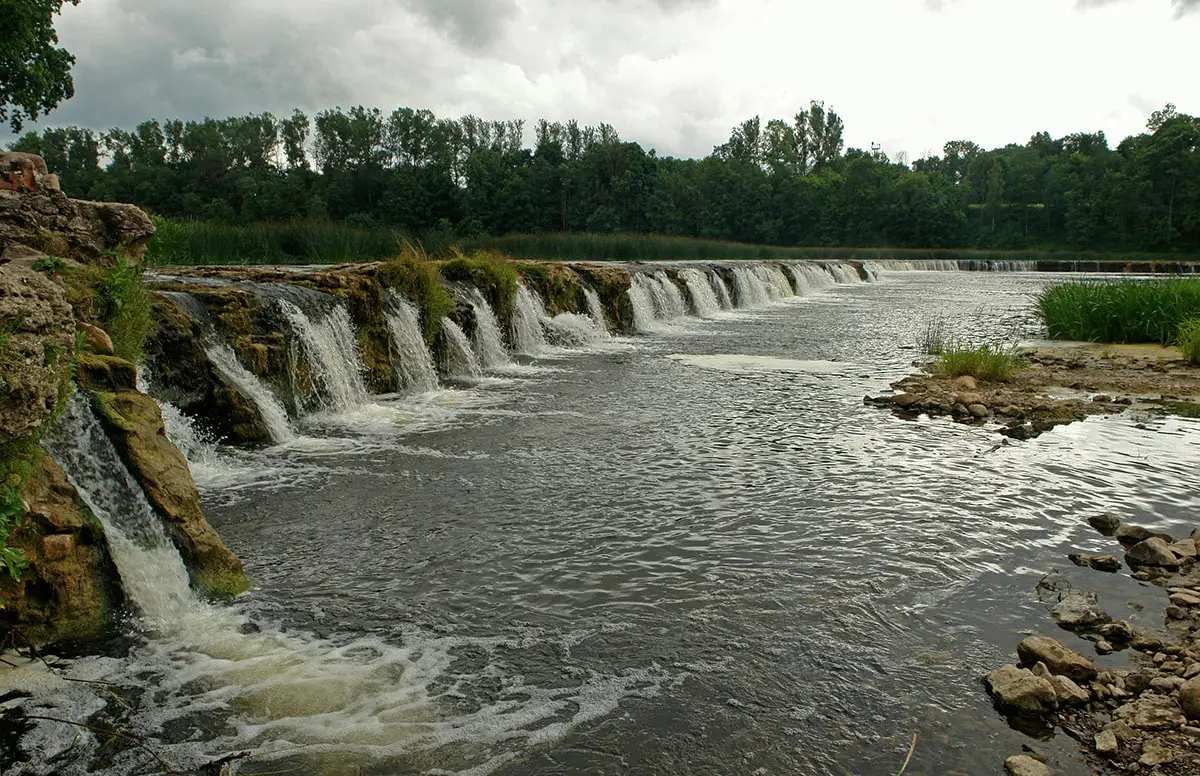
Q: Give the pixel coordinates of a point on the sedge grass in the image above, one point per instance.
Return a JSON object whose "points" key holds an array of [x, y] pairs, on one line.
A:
{"points": [[990, 363], [1147, 311], [1189, 340]]}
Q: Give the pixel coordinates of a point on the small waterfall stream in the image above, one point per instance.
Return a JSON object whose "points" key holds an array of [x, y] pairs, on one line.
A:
{"points": [[704, 299], [596, 310], [458, 357], [721, 289], [488, 341], [529, 337], [335, 371], [411, 359], [751, 291], [274, 416]]}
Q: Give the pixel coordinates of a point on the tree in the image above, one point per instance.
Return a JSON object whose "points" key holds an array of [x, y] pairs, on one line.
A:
{"points": [[35, 75]]}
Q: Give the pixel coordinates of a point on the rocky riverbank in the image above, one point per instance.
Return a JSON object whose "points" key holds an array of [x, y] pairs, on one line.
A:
{"points": [[1145, 719], [1056, 385]]}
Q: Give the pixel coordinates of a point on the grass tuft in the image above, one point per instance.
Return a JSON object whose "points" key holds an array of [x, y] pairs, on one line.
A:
{"points": [[990, 363], [1120, 310], [415, 275], [1189, 340], [492, 273]]}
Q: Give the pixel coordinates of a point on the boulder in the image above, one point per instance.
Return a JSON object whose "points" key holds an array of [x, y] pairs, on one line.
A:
{"points": [[1106, 743], [1069, 693], [965, 383], [95, 338], [1152, 712], [1119, 632], [1152, 552], [1136, 534], [1099, 562], [978, 410], [1185, 598], [1189, 698], [1060, 660], [1024, 765], [1184, 549], [1155, 753], [1105, 523], [1079, 610], [1019, 691]]}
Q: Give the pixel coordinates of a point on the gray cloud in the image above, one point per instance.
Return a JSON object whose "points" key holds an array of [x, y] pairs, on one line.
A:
{"points": [[470, 22]]}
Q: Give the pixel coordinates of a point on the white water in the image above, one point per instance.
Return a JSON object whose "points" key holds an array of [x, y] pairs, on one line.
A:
{"points": [[721, 289], [197, 446], [330, 346], [273, 415], [458, 357], [529, 337], [776, 284], [704, 299], [751, 291], [488, 341], [668, 299], [596, 309], [411, 359]]}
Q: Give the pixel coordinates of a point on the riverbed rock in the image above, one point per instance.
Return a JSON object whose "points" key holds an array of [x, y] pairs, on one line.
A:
{"points": [[1069, 693], [95, 339], [1152, 712], [1078, 610], [134, 423], [1155, 753], [1106, 743], [1184, 549], [1107, 563], [1119, 632], [1024, 765], [1105, 522], [1020, 692], [1189, 698], [978, 410], [37, 341], [1152, 552], [1135, 534], [1060, 660]]}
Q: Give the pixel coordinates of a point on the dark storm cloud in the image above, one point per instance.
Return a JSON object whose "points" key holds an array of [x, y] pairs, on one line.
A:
{"points": [[475, 23]]}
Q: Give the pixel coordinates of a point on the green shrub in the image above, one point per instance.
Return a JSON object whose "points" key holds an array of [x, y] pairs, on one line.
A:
{"points": [[983, 362], [12, 511], [1120, 310], [126, 309], [1189, 340], [415, 276], [49, 265]]}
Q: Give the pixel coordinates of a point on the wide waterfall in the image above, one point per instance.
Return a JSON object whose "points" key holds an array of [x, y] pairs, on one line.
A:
{"points": [[700, 289], [152, 572], [458, 357], [488, 341], [329, 344], [411, 358], [273, 415]]}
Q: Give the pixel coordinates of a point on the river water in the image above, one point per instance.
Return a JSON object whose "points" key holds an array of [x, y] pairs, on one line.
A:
{"points": [[695, 552]]}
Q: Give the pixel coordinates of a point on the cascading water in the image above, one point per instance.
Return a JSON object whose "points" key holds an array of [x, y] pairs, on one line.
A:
{"points": [[151, 570], [751, 291], [458, 357], [329, 344], [641, 299], [844, 273], [274, 416], [777, 286], [668, 298], [704, 300], [721, 289], [596, 310], [488, 342], [529, 337], [411, 359]]}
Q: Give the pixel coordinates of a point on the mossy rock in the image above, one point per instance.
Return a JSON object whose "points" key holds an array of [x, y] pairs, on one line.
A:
{"points": [[104, 373], [557, 284]]}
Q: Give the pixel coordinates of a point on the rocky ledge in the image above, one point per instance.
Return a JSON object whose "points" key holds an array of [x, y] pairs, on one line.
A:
{"points": [[1145, 719], [1056, 386]]}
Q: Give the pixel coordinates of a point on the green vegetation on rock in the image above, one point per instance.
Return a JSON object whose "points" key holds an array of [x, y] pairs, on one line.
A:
{"points": [[1149, 311], [493, 274], [415, 276], [18, 460], [127, 310], [987, 362]]}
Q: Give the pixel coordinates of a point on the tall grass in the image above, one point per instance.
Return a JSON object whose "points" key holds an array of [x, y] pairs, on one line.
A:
{"points": [[985, 362], [1189, 340], [1120, 310], [292, 242], [415, 275], [494, 275]]}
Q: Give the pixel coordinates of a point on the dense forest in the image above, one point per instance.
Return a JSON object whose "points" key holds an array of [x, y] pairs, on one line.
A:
{"points": [[777, 182]]}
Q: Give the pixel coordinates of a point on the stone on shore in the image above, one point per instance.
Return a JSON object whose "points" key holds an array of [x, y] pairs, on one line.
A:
{"points": [[1189, 697], [1136, 534], [1060, 660], [1079, 610], [1155, 753], [1106, 523], [1024, 765], [1152, 552], [1106, 743], [1152, 712], [1107, 563], [1021, 692]]}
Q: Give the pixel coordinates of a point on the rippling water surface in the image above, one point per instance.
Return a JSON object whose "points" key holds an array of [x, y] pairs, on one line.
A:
{"points": [[696, 552]]}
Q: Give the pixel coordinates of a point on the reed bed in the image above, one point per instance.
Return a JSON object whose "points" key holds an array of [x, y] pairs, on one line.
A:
{"points": [[1149, 311]]}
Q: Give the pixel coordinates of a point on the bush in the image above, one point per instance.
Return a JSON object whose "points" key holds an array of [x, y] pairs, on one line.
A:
{"points": [[983, 362], [126, 310], [1120, 310], [1189, 340]]}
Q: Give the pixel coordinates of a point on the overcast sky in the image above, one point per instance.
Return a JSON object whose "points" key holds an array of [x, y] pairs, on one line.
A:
{"points": [[675, 75]]}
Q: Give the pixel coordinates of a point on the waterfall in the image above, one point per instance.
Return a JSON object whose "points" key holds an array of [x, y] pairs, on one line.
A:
{"points": [[668, 298], [704, 299], [458, 357], [528, 335], [814, 275], [273, 415], [410, 355], [776, 284], [196, 445], [721, 290], [843, 273], [751, 291], [642, 302], [596, 309], [488, 342], [335, 371], [152, 572]]}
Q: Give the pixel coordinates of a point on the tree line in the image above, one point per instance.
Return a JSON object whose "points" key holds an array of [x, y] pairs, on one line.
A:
{"points": [[779, 182]]}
